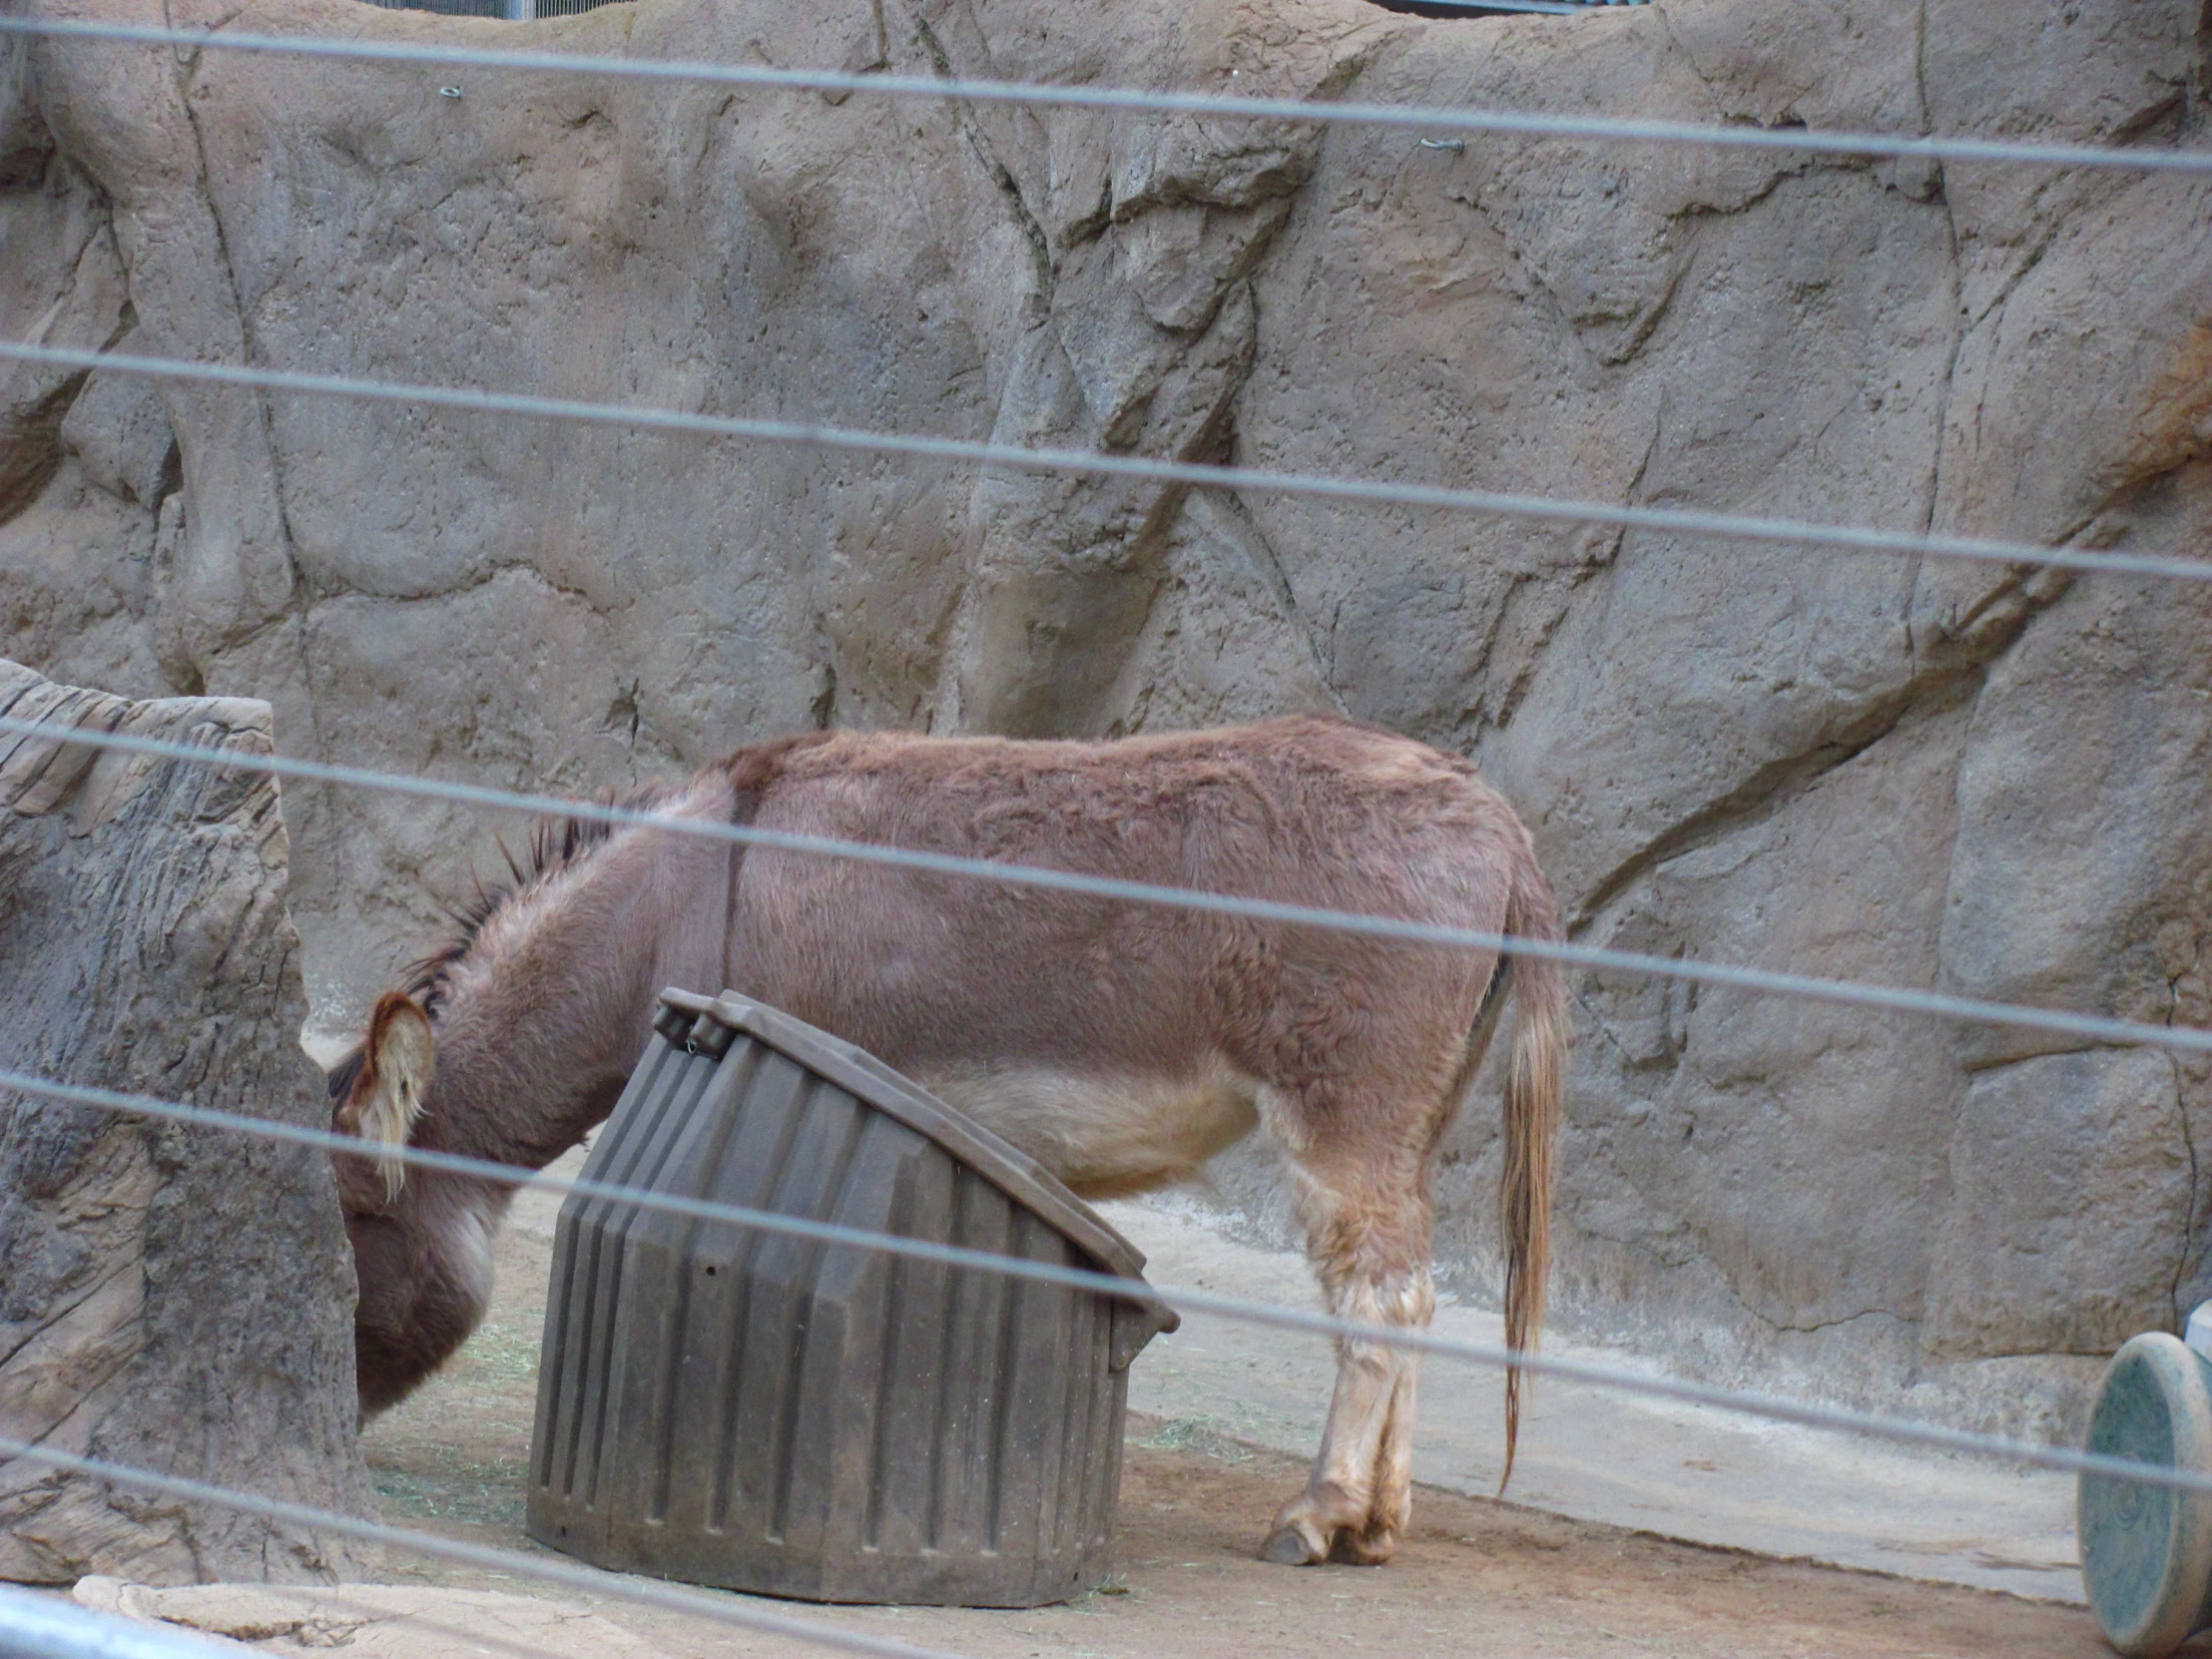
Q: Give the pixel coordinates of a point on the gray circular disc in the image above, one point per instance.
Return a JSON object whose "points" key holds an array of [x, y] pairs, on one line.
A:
{"points": [[2146, 1551]]}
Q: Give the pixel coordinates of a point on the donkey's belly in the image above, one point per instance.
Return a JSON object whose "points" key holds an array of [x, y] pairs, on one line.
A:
{"points": [[1107, 1132]]}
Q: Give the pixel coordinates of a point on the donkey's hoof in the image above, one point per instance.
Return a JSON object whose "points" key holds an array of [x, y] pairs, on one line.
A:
{"points": [[1287, 1546], [1363, 1546]]}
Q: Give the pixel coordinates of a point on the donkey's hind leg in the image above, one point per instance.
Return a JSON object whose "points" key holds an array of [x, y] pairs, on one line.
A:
{"points": [[1367, 1224]]}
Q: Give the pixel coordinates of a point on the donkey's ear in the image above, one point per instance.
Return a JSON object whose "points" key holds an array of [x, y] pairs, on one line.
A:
{"points": [[387, 1095]]}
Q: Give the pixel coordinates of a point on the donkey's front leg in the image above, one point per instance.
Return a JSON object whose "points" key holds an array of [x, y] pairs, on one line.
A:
{"points": [[1357, 1504]]}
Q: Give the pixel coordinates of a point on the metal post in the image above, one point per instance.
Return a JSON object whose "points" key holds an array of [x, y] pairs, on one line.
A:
{"points": [[522, 11], [47, 1627]]}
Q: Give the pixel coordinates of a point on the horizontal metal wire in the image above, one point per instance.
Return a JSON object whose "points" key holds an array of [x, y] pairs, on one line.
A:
{"points": [[42, 1627], [672, 1598], [1849, 992], [1181, 1297], [36, 1626], [1495, 503], [1531, 123]]}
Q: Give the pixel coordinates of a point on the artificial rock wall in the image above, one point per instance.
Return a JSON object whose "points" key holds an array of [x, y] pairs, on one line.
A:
{"points": [[173, 1298], [1926, 773]]}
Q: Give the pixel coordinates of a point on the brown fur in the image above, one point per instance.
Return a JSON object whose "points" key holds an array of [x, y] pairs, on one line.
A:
{"points": [[1120, 1044]]}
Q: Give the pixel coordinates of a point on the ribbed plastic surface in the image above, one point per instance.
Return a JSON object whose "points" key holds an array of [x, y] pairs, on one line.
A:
{"points": [[747, 1409]]}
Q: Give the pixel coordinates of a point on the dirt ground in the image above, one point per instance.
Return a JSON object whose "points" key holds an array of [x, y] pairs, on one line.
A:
{"points": [[1477, 1579]]}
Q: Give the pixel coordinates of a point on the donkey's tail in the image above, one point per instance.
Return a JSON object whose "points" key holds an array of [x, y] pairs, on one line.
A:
{"points": [[1535, 1080]]}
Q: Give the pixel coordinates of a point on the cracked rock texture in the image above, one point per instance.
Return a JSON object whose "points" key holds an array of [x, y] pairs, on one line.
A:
{"points": [[1927, 772], [173, 1299]]}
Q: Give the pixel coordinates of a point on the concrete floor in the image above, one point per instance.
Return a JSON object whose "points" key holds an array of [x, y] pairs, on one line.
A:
{"points": [[1224, 1416], [1589, 1454], [1686, 1473]]}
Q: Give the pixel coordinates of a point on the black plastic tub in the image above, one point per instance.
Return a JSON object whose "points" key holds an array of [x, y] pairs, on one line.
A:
{"points": [[730, 1407]]}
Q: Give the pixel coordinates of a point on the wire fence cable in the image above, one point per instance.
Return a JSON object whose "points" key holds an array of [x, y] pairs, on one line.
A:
{"points": [[1181, 1297], [73, 1631], [1496, 504], [1846, 992], [1443, 118], [648, 1592]]}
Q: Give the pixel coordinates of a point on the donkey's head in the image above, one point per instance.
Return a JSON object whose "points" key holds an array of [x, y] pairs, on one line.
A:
{"points": [[492, 959], [377, 1093], [506, 1045], [420, 1288]]}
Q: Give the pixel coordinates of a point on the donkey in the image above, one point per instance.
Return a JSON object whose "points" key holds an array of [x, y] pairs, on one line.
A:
{"points": [[1121, 1045]]}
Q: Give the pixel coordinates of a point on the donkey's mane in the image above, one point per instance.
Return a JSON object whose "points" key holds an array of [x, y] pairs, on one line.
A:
{"points": [[556, 845]]}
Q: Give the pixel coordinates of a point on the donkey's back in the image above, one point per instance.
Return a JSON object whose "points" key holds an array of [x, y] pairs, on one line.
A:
{"points": [[971, 985]]}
